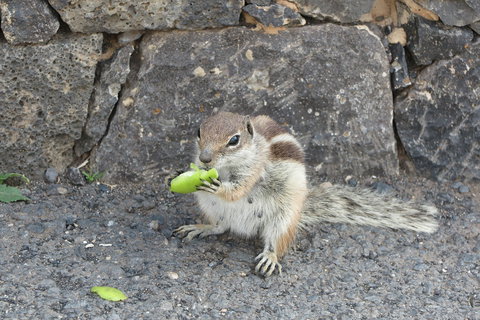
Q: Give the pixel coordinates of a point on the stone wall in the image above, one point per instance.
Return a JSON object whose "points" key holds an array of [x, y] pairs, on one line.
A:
{"points": [[125, 84]]}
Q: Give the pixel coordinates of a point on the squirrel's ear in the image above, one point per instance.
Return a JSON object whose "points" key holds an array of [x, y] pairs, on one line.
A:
{"points": [[248, 124]]}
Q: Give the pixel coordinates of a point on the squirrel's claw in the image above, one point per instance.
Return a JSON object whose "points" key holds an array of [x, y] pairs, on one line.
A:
{"points": [[211, 187], [190, 231], [267, 264]]}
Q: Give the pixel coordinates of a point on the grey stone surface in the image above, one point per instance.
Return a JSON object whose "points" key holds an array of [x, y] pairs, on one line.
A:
{"points": [[429, 40], [474, 4], [328, 83], [27, 21], [44, 93], [454, 12], [475, 27], [345, 11], [439, 120], [113, 74], [259, 2], [274, 15], [344, 272], [131, 15]]}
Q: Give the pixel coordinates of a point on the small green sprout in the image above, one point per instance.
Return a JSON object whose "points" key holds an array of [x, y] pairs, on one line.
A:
{"points": [[92, 176]]}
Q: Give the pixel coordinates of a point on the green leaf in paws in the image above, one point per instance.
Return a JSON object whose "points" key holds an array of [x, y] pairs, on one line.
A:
{"points": [[11, 194], [109, 293], [188, 181]]}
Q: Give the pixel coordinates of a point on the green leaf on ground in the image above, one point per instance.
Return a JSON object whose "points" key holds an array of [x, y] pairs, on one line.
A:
{"points": [[10, 194], [5, 176], [109, 293]]}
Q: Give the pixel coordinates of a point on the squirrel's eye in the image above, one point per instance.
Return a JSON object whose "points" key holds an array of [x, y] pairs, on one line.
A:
{"points": [[198, 133], [234, 140]]}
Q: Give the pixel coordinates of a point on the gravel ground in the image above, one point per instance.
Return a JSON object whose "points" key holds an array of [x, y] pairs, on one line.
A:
{"points": [[67, 239]]}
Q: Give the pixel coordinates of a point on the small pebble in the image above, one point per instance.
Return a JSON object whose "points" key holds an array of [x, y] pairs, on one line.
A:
{"points": [[103, 188], [382, 187], [457, 185], [460, 187], [36, 227], [55, 190], [172, 275], [62, 190], [446, 197], [90, 245], [51, 175], [26, 192], [75, 177], [154, 225], [129, 36], [352, 182], [420, 267]]}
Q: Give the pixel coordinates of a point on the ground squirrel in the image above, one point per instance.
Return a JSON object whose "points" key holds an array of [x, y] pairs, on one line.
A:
{"points": [[262, 190]]}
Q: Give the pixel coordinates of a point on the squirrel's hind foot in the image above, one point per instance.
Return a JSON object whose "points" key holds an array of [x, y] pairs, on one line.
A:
{"points": [[268, 263], [190, 231]]}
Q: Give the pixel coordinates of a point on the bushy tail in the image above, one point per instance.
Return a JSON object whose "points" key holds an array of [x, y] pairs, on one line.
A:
{"points": [[343, 204]]}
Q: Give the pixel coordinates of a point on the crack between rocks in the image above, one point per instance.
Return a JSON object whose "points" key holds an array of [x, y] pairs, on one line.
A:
{"points": [[404, 160], [134, 67], [79, 159], [64, 27]]}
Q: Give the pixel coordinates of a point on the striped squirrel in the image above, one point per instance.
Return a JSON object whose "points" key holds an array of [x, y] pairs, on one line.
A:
{"points": [[262, 190]]}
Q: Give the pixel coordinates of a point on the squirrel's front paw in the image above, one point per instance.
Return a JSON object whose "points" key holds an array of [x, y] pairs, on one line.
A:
{"points": [[211, 187], [268, 263]]}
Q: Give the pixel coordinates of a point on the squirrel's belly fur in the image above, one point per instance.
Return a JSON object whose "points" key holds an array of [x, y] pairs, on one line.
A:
{"points": [[269, 202]]}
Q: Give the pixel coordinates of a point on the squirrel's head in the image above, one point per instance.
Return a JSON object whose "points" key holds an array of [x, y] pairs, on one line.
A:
{"points": [[224, 138]]}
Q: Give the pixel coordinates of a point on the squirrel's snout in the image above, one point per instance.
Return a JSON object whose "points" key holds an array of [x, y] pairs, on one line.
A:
{"points": [[206, 156]]}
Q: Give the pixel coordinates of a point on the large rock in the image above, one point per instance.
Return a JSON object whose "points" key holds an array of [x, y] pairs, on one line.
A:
{"points": [[44, 93], [475, 27], [345, 11], [430, 40], [27, 21], [329, 83], [439, 120], [115, 17], [112, 75], [454, 12], [474, 4]]}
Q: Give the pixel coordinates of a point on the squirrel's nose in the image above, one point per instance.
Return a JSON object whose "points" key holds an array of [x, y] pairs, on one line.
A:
{"points": [[206, 156]]}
